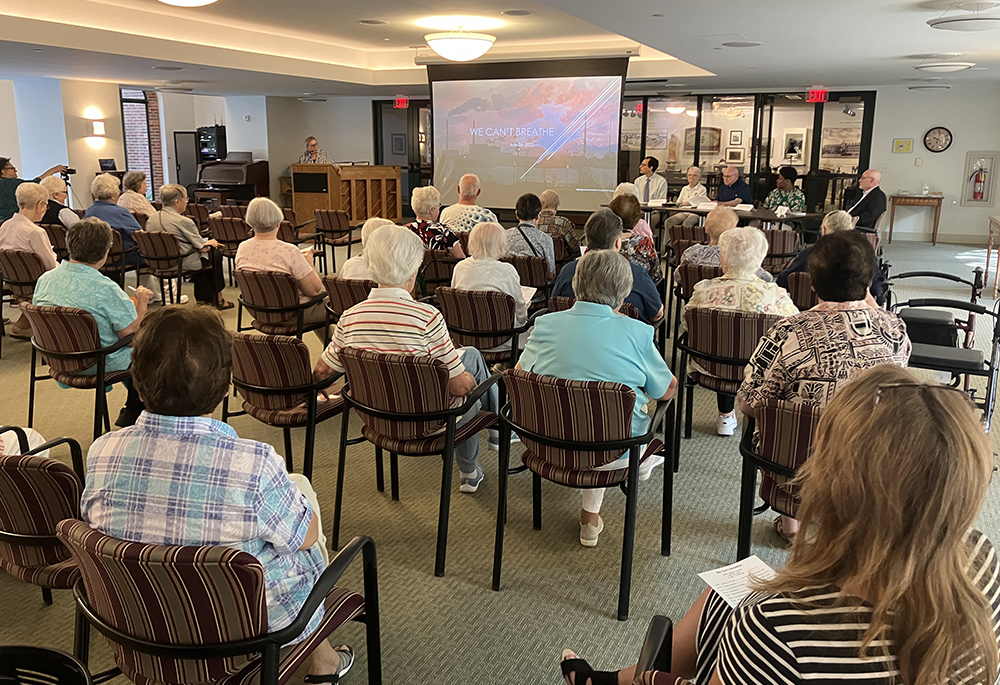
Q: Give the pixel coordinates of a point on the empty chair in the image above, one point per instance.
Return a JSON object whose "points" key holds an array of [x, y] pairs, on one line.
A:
{"points": [[336, 231]]}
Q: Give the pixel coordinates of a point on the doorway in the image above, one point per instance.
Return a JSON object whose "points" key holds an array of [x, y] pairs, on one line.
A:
{"points": [[403, 138]]}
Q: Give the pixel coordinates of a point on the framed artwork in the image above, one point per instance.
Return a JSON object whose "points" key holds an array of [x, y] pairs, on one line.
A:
{"points": [[902, 146], [793, 145], [735, 155], [399, 143], [711, 139], [736, 137], [843, 142], [978, 180]]}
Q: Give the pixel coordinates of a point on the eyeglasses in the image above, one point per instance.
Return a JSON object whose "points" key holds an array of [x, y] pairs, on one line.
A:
{"points": [[927, 386]]}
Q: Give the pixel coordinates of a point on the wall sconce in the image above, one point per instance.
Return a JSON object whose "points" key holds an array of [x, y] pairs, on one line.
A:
{"points": [[422, 137], [97, 128]]}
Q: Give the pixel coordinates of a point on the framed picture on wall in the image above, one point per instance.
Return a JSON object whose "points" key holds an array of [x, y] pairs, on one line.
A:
{"points": [[793, 145], [902, 145], [711, 139], [736, 137], [399, 143], [735, 155], [979, 179]]}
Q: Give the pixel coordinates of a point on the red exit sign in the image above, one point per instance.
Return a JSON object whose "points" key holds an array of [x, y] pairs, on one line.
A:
{"points": [[401, 103], [818, 95]]}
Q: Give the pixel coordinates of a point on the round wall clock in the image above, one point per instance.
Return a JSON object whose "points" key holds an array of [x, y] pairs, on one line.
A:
{"points": [[938, 139]]}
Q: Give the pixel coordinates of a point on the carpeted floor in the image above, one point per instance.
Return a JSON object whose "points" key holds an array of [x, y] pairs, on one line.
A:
{"points": [[555, 593]]}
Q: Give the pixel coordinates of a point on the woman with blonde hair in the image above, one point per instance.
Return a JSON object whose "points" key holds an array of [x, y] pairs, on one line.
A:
{"points": [[890, 582]]}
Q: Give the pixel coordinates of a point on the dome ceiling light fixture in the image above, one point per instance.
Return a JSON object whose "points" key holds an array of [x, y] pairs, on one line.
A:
{"points": [[944, 67], [188, 3], [459, 39], [676, 110], [974, 21], [939, 86]]}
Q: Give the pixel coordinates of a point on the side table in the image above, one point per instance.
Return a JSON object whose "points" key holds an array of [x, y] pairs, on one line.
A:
{"points": [[917, 201]]}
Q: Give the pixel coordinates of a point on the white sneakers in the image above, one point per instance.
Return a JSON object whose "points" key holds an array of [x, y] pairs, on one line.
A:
{"points": [[589, 533], [725, 425]]}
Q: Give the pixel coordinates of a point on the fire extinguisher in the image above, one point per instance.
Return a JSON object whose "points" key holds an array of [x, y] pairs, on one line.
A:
{"points": [[979, 184]]}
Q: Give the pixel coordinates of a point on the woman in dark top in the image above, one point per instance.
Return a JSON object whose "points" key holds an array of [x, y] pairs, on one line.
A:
{"points": [[890, 582]]}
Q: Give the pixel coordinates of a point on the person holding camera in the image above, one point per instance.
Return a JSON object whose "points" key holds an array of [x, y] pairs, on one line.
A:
{"points": [[9, 183]]}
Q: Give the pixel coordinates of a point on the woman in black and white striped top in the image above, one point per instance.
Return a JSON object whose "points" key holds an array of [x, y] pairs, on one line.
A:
{"points": [[889, 584]]}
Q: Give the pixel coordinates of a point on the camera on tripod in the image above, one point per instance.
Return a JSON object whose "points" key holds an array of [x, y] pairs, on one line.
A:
{"points": [[67, 173]]}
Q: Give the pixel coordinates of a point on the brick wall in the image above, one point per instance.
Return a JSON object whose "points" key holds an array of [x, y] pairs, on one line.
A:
{"points": [[155, 141], [137, 139]]}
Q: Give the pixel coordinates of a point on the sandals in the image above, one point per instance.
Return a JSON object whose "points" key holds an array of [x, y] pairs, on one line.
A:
{"points": [[346, 655], [789, 539], [572, 664], [224, 305]]}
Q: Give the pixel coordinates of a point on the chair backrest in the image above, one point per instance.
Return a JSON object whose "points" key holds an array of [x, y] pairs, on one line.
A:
{"points": [[160, 250], [332, 221], [170, 595], [64, 329], [463, 238], [199, 213], [287, 232], [236, 211], [728, 334], [782, 246], [579, 411], [229, 230], [533, 272], [115, 254], [289, 215], [20, 272], [271, 361], [345, 292], [786, 431], [558, 304], [404, 384], [36, 493], [477, 310], [695, 234], [57, 237], [800, 290], [438, 267], [689, 275], [268, 289], [679, 246], [141, 219]]}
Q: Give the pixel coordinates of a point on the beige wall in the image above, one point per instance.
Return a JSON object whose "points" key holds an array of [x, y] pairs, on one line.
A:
{"points": [[9, 146], [84, 152]]}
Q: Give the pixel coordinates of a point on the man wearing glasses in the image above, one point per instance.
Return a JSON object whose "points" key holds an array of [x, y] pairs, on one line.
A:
{"points": [[58, 212], [9, 183], [733, 191]]}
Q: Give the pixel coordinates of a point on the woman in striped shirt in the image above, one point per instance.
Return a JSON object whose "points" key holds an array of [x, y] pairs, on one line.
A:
{"points": [[890, 582]]}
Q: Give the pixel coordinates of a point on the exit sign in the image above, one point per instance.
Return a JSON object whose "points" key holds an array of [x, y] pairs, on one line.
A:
{"points": [[401, 103], [817, 95]]}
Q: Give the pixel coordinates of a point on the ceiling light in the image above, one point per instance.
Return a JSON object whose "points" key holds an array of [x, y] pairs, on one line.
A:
{"points": [[372, 22], [945, 67], [967, 22], [311, 99], [849, 112], [517, 13], [675, 110], [460, 23], [188, 3], [174, 89], [166, 67], [459, 46], [693, 113], [742, 44], [939, 86]]}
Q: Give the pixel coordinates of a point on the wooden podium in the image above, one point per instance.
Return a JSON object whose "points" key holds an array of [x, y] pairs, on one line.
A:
{"points": [[361, 191]]}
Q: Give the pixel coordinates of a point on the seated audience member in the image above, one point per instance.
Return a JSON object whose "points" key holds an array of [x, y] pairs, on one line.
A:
{"points": [[78, 283], [391, 321], [558, 227], [9, 183], [641, 225], [145, 484], [808, 357], [691, 195], [871, 204], [22, 233], [637, 243], [718, 221], [606, 346], [525, 239], [898, 474], [134, 197], [484, 270], [833, 222], [464, 215], [739, 289], [426, 204], [734, 190], [354, 268], [266, 252], [106, 193], [603, 231], [57, 212], [786, 194], [202, 256]]}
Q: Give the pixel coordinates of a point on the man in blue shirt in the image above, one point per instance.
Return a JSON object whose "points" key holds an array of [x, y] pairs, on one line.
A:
{"points": [[603, 231], [733, 191]]}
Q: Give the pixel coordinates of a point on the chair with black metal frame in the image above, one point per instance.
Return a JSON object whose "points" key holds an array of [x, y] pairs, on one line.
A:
{"points": [[116, 265], [237, 211], [688, 275], [68, 340], [392, 423], [19, 273], [782, 247], [272, 298], [36, 493], [141, 219], [343, 294], [57, 238], [558, 303], [436, 270], [532, 272], [776, 444], [25, 665], [801, 291], [199, 214], [164, 258], [565, 447], [334, 228], [197, 614], [273, 373], [230, 231]]}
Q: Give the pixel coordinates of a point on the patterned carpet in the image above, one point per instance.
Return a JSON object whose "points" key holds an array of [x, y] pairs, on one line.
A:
{"points": [[555, 593]]}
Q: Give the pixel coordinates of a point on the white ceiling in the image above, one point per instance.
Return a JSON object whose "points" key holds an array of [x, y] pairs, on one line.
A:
{"points": [[296, 47]]}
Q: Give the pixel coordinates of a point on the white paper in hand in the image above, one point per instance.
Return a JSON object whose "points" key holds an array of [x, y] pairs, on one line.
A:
{"points": [[733, 582]]}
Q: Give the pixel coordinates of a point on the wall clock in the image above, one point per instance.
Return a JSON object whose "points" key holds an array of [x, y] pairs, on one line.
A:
{"points": [[938, 139]]}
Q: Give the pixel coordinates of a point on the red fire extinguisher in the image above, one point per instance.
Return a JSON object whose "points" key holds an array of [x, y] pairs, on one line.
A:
{"points": [[979, 184]]}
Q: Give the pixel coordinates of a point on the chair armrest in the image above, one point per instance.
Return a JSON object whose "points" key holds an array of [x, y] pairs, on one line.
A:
{"points": [[316, 299], [22, 437], [657, 647], [531, 320], [474, 396], [76, 453], [122, 342]]}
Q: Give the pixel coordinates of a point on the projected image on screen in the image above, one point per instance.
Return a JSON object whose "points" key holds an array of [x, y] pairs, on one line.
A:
{"points": [[526, 135]]}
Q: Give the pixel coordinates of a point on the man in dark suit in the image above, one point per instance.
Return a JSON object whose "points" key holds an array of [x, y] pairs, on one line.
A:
{"points": [[867, 208]]}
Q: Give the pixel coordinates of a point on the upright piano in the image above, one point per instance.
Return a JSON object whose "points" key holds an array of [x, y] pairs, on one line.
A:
{"points": [[237, 180]]}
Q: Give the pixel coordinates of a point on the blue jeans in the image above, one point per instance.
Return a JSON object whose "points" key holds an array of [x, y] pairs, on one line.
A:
{"points": [[467, 453]]}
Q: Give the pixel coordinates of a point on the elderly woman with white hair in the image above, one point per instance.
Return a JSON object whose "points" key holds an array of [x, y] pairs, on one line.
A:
{"points": [[105, 191], [354, 268], [741, 251], [718, 221], [134, 197], [484, 270], [266, 252], [606, 346], [57, 212], [691, 195], [426, 204], [21, 233], [834, 222], [391, 321], [202, 256]]}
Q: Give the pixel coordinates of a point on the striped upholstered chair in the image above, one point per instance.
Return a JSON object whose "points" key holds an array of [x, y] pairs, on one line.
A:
{"points": [[483, 319], [405, 409], [164, 259], [272, 298], [230, 231], [437, 269], [783, 440], [559, 304], [57, 237], [117, 264], [569, 428], [36, 493], [334, 227], [800, 290], [343, 294], [532, 272], [782, 246], [20, 273], [69, 342], [273, 373], [187, 615], [687, 276]]}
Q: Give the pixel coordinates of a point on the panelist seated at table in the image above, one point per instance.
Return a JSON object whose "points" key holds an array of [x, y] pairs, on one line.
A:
{"points": [[786, 194], [651, 185], [871, 205], [691, 195], [734, 190]]}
